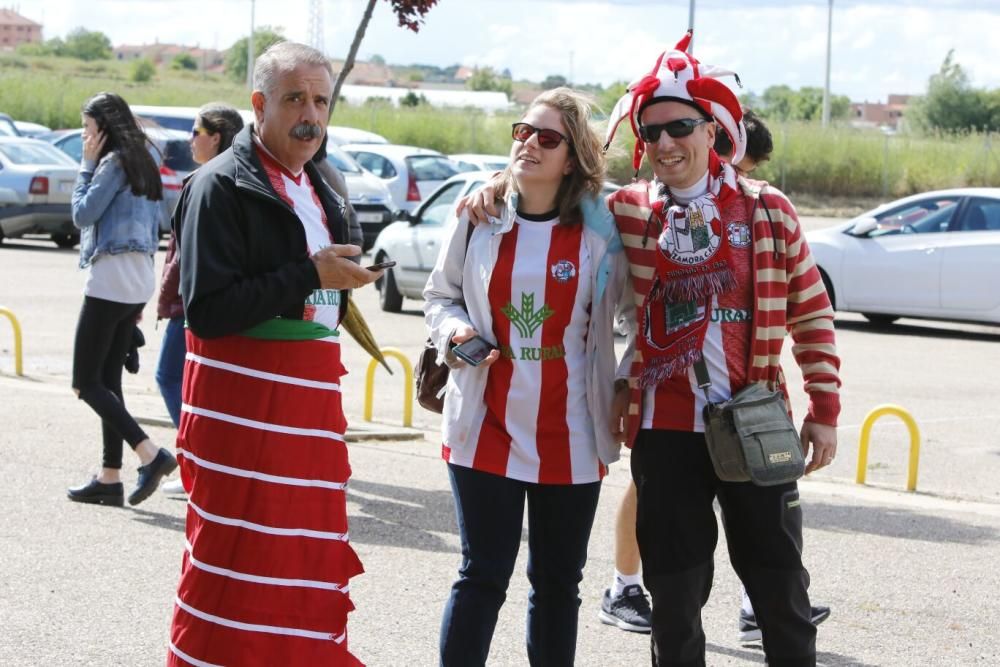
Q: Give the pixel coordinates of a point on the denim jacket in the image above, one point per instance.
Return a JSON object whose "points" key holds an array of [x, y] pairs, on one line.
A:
{"points": [[110, 218]]}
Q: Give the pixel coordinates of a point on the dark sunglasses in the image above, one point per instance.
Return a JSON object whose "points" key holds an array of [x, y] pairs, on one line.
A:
{"points": [[675, 128], [546, 138]]}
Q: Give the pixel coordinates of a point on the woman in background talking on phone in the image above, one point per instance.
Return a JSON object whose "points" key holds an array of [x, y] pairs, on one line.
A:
{"points": [[537, 289]]}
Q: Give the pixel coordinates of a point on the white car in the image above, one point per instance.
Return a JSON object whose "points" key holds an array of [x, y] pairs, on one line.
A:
{"points": [[41, 178], [934, 255], [414, 243], [368, 194], [409, 172], [479, 162]]}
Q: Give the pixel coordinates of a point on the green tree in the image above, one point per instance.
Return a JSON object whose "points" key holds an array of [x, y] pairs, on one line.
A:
{"points": [[142, 70], [184, 61], [952, 104], [411, 99], [778, 103], [236, 57], [484, 78], [88, 45], [553, 81]]}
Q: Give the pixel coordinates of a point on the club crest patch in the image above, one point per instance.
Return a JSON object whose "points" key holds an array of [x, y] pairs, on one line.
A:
{"points": [[692, 238], [739, 234], [563, 271]]}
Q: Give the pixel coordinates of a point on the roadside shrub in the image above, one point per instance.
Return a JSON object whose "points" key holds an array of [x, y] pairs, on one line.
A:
{"points": [[142, 70]]}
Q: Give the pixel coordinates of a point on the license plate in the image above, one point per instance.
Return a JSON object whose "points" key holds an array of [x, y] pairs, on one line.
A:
{"points": [[369, 217]]}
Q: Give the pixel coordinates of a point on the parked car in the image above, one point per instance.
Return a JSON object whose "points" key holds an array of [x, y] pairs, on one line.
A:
{"points": [[33, 130], [414, 242], [479, 162], [7, 126], [368, 194], [173, 155], [934, 255], [41, 179], [409, 172]]}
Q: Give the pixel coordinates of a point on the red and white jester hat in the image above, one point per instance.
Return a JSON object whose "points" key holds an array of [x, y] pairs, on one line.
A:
{"points": [[679, 77]]}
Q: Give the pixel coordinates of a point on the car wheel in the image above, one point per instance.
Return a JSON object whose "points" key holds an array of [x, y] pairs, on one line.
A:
{"points": [[880, 320], [389, 297], [829, 288], [66, 240], [1, 234]]}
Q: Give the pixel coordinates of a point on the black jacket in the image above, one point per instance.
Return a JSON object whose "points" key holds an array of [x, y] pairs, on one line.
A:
{"points": [[244, 258]]}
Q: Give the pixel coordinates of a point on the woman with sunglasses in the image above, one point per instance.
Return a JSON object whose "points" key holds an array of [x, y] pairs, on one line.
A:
{"points": [[214, 128], [529, 422], [115, 204]]}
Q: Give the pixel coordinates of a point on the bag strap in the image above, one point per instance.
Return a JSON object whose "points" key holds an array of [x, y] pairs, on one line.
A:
{"points": [[701, 375]]}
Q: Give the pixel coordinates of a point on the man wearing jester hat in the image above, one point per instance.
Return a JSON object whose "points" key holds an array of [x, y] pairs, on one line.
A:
{"points": [[721, 272]]}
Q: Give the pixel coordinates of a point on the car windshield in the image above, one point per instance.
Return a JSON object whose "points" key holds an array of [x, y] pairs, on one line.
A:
{"points": [[924, 217], [7, 128], [341, 160], [431, 167], [35, 154]]}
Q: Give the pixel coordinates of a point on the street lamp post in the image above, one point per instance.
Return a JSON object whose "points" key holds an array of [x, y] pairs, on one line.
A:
{"points": [[250, 47], [829, 46], [691, 25]]}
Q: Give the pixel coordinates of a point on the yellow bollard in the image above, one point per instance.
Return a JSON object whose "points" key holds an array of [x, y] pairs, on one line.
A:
{"points": [[911, 425], [407, 388], [18, 351]]}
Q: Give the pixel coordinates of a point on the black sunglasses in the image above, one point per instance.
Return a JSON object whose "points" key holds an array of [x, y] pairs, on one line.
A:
{"points": [[675, 128], [546, 138]]}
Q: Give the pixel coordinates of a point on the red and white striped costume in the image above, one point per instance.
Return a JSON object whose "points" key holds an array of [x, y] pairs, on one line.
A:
{"points": [[787, 297], [535, 425], [265, 577]]}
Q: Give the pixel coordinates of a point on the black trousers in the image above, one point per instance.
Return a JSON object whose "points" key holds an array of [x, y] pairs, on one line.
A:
{"points": [[103, 336], [677, 533]]}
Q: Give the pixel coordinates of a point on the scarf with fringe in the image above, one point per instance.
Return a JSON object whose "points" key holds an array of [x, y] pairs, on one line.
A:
{"points": [[693, 264]]}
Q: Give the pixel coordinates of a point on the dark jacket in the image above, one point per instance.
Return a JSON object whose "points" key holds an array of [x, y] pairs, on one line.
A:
{"points": [[244, 258]]}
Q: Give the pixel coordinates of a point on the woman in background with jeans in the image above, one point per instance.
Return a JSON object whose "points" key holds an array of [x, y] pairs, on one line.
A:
{"points": [[115, 207], [214, 128], [529, 428]]}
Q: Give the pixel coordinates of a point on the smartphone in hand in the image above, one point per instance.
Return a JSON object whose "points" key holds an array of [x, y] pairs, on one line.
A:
{"points": [[381, 265], [474, 351]]}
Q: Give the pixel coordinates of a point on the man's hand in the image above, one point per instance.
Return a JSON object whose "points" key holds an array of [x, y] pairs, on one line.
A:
{"points": [[823, 440], [481, 203], [92, 145], [619, 413], [465, 333], [337, 272]]}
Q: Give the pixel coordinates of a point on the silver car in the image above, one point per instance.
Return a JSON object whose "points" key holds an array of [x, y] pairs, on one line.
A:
{"points": [[38, 180], [410, 173], [369, 195]]}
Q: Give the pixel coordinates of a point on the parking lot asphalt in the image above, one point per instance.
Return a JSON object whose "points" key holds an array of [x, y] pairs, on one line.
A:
{"points": [[911, 577]]}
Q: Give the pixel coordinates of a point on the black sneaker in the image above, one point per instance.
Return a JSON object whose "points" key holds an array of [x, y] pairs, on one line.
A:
{"points": [[628, 611], [749, 632], [98, 493], [151, 474]]}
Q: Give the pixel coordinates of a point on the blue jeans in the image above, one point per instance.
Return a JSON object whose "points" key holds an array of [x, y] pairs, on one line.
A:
{"points": [[490, 512], [170, 369]]}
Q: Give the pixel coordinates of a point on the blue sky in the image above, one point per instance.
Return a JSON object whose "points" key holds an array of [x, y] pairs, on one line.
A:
{"points": [[879, 46]]}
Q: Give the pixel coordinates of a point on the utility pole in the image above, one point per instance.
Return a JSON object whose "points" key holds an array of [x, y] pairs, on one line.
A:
{"points": [[253, 4], [691, 25], [316, 39], [829, 47]]}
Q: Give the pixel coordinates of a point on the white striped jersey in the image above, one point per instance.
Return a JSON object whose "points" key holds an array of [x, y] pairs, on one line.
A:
{"points": [[535, 425]]}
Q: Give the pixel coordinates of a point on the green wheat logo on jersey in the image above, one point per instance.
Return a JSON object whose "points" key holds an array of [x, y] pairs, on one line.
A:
{"points": [[527, 320]]}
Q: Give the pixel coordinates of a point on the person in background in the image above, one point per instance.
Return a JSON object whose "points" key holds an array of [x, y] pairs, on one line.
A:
{"points": [[114, 204], [529, 424], [215, 126]]}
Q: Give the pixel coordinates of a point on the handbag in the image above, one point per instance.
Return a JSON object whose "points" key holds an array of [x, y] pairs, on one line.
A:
{"points": [[750, 437], [431, 377]]}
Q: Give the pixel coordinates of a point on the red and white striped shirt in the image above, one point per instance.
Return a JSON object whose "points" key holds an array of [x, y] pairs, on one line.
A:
{"points": [[323, 305], [535, 425]]}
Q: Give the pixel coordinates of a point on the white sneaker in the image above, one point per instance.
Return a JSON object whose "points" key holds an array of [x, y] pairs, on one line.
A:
{"points": [[173, 488]]}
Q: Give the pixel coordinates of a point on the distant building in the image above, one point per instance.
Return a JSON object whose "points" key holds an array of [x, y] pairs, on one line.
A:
{"points": [[209, 60], [876, 114], [16, 30], [366, 74]]}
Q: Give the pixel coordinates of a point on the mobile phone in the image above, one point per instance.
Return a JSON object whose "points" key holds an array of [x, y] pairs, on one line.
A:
{"points": [[474, 351], [381, 265]]}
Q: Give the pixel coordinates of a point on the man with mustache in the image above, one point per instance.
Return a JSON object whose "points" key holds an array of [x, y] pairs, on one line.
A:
{"points": [[264, 272]]}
